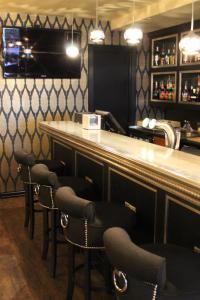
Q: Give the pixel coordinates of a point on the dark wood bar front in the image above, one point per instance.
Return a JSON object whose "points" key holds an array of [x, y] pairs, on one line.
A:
{"points": [[160, 184]]}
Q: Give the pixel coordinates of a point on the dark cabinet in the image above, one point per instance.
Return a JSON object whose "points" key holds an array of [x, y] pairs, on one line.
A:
{"points": [[182, 224], [139, 197], [161, 217], [66, 155], [92, 170]]}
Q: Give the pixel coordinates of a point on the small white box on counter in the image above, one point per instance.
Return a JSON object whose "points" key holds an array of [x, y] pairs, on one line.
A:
{"points": [[91, 121]]}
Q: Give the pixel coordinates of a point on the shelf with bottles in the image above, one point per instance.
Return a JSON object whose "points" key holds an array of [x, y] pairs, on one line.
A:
{"points": [[163, 87], [189, 87], [189, 60], [164, 51]]}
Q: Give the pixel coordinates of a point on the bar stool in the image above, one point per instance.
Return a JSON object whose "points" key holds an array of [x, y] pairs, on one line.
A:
{"points": [[47, 183], [25, 162], [152, 271], [84, 223]]}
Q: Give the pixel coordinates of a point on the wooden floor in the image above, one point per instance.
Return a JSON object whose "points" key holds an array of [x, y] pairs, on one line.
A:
{"points": [[23, 274]]}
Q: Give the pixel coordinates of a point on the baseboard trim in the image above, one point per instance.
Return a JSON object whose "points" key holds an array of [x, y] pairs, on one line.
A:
{"points": [[11, 194]]}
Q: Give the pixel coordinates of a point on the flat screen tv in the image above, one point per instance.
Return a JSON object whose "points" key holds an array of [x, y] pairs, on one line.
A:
{"points": [[39, 53]]}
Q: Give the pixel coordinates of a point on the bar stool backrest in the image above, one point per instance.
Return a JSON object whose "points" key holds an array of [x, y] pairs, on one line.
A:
{"points": [[138, 274], [47, 182], [74, 206], [25, 162]]}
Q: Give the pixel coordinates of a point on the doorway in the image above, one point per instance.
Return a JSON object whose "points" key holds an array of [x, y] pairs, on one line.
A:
{"points": [[111, 81]]}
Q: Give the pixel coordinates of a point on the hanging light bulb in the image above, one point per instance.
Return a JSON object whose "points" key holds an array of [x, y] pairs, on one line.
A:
{"points": [[72, 50], [133, 35], [190, 43], [97, 35]]}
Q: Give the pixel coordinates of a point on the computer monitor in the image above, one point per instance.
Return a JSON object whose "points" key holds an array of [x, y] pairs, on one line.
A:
{"points": [[109, 122]]}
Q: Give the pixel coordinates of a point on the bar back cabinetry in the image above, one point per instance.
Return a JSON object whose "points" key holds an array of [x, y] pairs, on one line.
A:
{"points": [[175, 78], [162, 217]]}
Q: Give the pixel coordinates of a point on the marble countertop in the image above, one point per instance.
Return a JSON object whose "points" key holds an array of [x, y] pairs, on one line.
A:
{"points": [[167, 162]]}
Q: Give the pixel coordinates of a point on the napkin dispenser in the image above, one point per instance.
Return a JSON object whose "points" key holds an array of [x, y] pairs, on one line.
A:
{"points": [[91, 121]]}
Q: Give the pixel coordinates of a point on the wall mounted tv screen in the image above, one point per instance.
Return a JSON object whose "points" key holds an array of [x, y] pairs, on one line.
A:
{"points": [[39, 53]]}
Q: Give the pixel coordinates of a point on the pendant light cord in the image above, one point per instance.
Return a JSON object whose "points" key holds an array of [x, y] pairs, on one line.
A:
{"points": [[96, 13], [133, 11], [192, 18], [72, 29]]}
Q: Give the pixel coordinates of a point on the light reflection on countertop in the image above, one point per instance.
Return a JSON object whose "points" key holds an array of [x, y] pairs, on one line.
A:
{"points": [[163, 159]]}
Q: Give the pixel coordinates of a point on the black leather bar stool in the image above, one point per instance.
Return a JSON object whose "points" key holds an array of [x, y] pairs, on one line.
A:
{"points": [[25, 162], [152, 271], [84, 223], [48, 182]]}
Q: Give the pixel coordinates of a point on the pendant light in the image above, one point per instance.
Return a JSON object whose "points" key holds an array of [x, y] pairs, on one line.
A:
{"points": [[72, 50], [190, 43], [133, 35], [97, 35]]}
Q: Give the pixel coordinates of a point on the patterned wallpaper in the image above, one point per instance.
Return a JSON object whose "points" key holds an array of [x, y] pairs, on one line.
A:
{"points": [[143, 83], [25, 102]]}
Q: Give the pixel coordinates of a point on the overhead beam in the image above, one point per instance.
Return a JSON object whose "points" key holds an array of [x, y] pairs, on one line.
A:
{"points": [[157, 8]]}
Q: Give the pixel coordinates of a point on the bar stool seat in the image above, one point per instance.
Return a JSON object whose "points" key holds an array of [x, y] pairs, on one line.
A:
{"points": [[25, 161], [81, 186], [152, 271], [107, 215], [53, 165], [48, 182], [84, 223]]}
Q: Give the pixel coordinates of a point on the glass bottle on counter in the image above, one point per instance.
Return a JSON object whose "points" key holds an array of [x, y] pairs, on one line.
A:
{"points": [[188, 128]]}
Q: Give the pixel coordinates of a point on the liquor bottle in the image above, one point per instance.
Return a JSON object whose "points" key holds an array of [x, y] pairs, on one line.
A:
{"points": [[157, 56], [198, 80], [173, 92], [166, 94], [173, 55], [167, 57], [185, 93], [198, 94], [185, 58], [193, 96], [169, 88], [156, 91], [162, 91], [162, 56]]}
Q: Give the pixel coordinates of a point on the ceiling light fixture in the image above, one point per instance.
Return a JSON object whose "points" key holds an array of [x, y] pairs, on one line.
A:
{"points": [[72, 50], [190, 43], [133, 35], [97, 35]]}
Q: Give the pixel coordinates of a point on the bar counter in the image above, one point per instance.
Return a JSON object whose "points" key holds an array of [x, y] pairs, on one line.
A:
{"points": [[160, 164], [158, 182]]}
